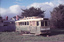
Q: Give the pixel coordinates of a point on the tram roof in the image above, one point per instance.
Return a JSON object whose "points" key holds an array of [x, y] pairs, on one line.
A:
{"points": [[24, 20]]}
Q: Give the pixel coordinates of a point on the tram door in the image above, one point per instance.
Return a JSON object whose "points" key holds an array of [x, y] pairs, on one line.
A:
{"points": [[33, 27]]}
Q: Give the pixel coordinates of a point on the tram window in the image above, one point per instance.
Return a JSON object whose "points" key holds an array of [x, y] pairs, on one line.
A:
{"points": [[42, 23], [37, 23], [20, 23], [45, 23], [27, 23]]}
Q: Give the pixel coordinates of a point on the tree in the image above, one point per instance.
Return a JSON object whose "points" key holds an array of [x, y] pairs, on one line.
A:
{"points": [[33, 12], [0, 16], [1, 19], [57, 17]]}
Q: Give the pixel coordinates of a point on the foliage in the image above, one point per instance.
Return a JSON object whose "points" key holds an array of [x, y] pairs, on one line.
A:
{"points": [[33, 12], [57, 17]]}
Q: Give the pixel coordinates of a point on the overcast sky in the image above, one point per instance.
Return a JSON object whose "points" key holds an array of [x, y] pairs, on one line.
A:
{"points": [[13, 7]]}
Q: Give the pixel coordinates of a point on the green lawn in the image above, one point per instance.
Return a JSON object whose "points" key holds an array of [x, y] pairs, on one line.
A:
{"points": [[56, 35]]}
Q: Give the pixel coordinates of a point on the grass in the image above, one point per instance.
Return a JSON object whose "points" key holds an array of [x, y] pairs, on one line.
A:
{"points": [[56, 35]]}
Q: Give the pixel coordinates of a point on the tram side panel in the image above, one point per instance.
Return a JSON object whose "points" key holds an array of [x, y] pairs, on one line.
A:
{"points": [[22, 28]]}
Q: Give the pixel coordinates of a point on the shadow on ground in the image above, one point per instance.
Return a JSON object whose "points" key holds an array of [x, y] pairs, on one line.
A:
{"points": [[57, 31], [54, 32]]}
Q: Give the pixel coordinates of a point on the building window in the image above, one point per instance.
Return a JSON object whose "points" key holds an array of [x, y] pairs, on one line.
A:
{"points": [[37, 23]]}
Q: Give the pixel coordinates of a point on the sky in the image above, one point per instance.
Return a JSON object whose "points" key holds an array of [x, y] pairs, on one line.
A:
{"points": [[13, 7]]}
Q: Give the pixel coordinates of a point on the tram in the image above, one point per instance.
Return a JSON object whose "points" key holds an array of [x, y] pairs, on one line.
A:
{"points": [[36, 25]]}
